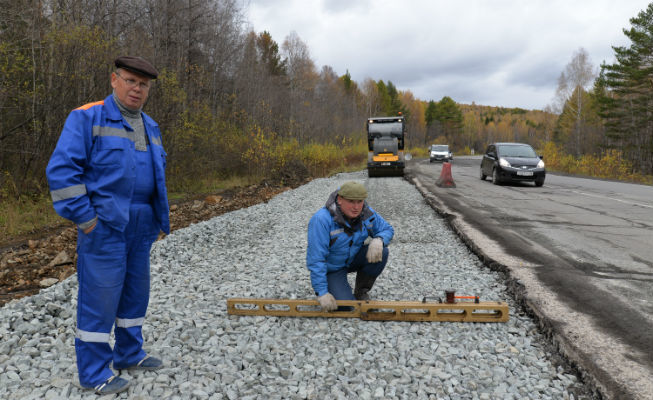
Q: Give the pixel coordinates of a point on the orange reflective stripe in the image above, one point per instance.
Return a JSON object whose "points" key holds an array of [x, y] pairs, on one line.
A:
{"points": [[89, 105]]}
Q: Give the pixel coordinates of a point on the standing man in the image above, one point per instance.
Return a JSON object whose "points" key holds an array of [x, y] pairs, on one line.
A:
{"points": [[107, 175], [337, 235]]}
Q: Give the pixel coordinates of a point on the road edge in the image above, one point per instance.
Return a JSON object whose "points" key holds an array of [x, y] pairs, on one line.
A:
{"points": [[590, 373]]}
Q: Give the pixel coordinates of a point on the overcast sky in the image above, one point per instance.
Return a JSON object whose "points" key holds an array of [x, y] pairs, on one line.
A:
{"points": [[499, 53]]}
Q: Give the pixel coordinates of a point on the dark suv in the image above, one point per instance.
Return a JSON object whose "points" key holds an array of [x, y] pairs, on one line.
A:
{"points": [[512, 162]]}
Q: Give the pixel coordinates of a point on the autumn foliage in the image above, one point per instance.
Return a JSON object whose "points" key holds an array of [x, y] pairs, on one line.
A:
{"points": [[234, 103], [611, 164]]}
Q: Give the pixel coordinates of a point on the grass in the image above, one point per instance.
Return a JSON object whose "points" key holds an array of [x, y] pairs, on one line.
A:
{"points": [[180, 193], [417, 152], [19, 216], [609, 165]]}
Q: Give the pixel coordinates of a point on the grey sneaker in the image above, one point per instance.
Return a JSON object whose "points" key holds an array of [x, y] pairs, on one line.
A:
{"points": [[115, 384], [148, 363]]}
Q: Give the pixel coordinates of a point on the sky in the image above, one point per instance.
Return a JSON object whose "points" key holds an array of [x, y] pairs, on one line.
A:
{"points": [[506, 53]]}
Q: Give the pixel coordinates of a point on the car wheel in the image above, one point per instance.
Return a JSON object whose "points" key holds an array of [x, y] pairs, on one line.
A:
{"points": [[483, 176], [495, 177], [539, 182]]}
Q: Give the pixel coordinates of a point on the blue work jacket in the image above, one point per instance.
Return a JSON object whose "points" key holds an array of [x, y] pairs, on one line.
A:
{"points": [[333, 244], [92, 170]]}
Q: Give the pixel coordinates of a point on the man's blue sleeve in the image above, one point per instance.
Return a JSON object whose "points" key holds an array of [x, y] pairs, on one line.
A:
{"points": [[66, 167], [317, 252], [382, 229]]}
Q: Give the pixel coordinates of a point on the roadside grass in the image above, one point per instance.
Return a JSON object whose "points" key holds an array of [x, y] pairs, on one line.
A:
{"points": [[180, 192], [609, 165], [26, 214], [417, 152]]}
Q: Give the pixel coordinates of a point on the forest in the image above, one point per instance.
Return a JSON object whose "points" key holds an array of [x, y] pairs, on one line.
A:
{"points": [[232, 102]]}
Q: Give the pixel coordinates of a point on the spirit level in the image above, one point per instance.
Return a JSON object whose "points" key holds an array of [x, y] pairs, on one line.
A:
{"points": [[487, 311]]}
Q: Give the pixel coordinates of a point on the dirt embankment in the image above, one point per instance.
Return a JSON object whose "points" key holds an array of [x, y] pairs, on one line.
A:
{"points": [[41, 259]]}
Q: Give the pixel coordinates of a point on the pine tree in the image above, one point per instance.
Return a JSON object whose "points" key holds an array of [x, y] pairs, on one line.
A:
{"points": [[429, 115], [448, 114], [385, 100], [395, 103], [625, 94]]}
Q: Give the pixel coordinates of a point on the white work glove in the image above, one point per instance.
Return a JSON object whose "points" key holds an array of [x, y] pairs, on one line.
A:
{"points": [[375, 251], [327, 302]]}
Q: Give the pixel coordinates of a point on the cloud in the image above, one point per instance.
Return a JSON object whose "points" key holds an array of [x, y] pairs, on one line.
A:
{"points": [[502, 53]]}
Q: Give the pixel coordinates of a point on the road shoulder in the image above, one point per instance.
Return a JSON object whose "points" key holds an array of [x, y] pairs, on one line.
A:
{"points": [[602, 361]]}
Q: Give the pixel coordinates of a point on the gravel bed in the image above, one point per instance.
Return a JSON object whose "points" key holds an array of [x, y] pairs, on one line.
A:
{"points": [[260, 252]]}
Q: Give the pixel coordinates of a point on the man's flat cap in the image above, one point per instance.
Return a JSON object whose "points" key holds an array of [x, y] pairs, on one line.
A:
{"points": [[137, 65], [353, 191]]}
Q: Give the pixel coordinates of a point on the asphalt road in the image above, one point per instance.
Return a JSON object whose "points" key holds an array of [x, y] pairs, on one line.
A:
{"points": [[580, 255]]}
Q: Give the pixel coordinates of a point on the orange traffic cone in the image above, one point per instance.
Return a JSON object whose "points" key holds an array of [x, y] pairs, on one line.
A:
{"points": [[445, 180]]}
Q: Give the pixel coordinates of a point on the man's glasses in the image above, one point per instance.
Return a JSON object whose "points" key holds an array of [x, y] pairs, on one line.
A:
{"points": [[132, 83]]}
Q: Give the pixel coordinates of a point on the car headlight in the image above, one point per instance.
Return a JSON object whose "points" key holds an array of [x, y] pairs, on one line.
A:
{"points": [[503, 162], [540, 164]]}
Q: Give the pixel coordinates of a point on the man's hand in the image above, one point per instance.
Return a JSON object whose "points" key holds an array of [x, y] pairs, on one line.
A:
{"points": [[375, 251], [90, 228], [327, 302]]}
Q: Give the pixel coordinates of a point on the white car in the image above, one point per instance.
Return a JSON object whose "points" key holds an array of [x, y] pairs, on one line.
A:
{"points": [[440, 152]]}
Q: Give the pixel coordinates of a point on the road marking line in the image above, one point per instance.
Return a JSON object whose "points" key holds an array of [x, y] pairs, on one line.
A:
{"points": [[612, 198]]}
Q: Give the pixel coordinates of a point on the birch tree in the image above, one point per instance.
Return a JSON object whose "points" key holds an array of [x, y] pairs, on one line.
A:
{"points": [[302, 78], [576, 78]]}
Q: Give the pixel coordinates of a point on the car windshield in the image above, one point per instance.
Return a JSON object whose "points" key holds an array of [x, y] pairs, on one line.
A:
{"points": [[440, 147], [519, 151]]}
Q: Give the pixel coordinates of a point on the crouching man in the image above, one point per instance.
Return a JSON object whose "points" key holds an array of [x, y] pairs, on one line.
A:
{"points": [[336, 246]]}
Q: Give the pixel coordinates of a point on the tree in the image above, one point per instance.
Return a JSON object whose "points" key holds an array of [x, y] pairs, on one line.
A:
{"points": [[269, 54], [372, 97], [385, 101], [576, 77], [347, 83], [429, 113], [303, 77], [262, 83], [414, 112], [395, 103], [432, 124], [625, 94], [572, 125], [472, 130], [445, 119]]}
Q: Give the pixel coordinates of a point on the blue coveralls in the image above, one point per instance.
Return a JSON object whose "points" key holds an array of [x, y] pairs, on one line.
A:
{"points": [[337, 280], [95, 170]]}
